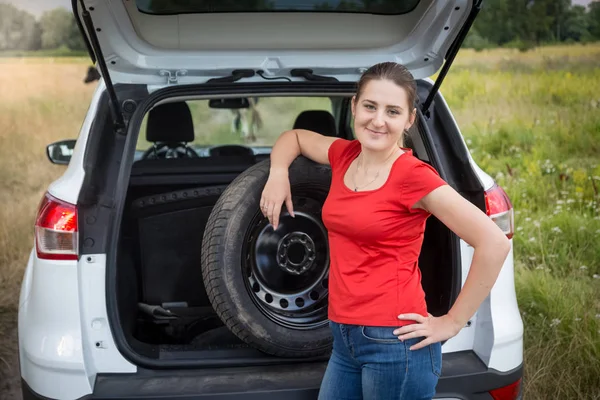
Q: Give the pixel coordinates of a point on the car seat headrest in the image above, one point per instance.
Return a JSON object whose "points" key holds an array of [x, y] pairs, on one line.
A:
{"points": [[317, 121], [170, 122]]}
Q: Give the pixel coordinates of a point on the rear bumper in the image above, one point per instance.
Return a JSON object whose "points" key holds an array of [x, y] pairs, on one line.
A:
{"points": [[464, 377]]}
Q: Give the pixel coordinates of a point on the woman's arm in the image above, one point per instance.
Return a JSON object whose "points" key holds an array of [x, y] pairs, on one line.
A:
{"points": [[491, 248], [286, 149]]}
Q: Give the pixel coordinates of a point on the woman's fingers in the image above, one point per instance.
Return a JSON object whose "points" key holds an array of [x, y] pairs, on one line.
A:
{"points": [[412, 317], [275, 215], [270, 207], [425, 342], [407, 329], [413, 334], [290, 205], [272, 210]]}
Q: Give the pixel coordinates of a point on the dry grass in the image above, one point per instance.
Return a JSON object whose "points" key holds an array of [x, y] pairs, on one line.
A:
{"points": [[41, 101]]}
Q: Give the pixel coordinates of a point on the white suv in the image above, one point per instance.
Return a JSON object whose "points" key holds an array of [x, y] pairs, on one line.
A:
{"points": [[154, 274]]}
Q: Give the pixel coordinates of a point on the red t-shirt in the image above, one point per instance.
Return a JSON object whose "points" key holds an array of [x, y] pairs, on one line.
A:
{"points": [[375, 238]]}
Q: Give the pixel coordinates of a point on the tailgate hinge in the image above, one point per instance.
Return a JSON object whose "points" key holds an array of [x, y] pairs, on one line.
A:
{"points": [[173, 76]]}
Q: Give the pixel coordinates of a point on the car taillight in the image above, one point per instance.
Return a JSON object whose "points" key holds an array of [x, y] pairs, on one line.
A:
{"points": [[500, 210], [510, 392], [56, 230]]}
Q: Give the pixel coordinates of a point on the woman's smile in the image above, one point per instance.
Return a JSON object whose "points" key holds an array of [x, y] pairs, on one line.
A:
{"points": [[375, 133]]}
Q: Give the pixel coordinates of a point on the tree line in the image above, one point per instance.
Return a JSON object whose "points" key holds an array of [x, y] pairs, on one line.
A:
{"points": [[20, 30], [509, 23], [528, 23]]}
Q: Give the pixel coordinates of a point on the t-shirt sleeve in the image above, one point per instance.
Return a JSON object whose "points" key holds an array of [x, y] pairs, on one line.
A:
{"points": [[336, 151], [421, 179]]}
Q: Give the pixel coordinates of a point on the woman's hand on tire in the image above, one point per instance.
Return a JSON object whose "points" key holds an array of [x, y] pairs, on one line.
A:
{"points": [[433, 329], [276, 192]]}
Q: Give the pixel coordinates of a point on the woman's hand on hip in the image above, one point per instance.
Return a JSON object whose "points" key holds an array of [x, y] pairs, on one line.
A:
{"points": [[433, 329], [276, 192]]}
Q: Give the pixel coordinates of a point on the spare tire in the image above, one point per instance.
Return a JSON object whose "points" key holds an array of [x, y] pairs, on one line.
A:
{"points": [[271, 287]]}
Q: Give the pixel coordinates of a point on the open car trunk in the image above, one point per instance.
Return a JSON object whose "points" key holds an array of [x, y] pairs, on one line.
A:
{"points": [[193, 271], [167, 306]]}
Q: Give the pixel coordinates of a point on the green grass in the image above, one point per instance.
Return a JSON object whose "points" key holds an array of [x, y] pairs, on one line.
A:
{"points": [[59, 52], [532, 121]]}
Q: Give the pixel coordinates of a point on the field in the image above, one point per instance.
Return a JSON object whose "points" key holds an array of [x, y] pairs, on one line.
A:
{"points": [[532, 120]]}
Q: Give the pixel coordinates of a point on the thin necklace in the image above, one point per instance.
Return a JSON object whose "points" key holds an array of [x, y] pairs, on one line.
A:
{"points": [[356, 187]]}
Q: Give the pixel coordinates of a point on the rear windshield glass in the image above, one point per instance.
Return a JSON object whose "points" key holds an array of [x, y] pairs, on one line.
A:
{"points": [[253, 122], [388, 7]]}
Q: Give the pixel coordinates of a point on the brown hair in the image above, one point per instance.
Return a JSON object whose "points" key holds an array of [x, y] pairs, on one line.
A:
{"points": [[394, 72]]}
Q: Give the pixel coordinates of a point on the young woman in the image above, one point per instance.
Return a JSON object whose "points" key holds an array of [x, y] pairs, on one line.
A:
{"points": [[386, 345]]}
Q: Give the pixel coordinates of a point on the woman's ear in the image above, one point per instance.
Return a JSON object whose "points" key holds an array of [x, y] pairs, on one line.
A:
{"points": [[353, 106], [412, 118]]}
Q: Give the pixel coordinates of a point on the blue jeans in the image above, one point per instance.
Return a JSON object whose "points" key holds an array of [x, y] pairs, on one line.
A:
{"points": [[371, 363]]}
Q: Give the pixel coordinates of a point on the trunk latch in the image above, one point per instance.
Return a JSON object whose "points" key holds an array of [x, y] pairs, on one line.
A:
{"points": [[173, 76]]}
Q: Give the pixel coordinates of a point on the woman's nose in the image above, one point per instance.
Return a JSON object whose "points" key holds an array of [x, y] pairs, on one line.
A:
{"points": [[378, 120]]}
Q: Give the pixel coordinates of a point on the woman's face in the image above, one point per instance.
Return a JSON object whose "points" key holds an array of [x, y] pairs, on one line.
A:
{"points": [[381, 114]]}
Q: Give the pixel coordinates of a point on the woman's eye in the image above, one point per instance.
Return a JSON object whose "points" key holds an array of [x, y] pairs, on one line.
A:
{"points": [[394, 112], [369, 107]]}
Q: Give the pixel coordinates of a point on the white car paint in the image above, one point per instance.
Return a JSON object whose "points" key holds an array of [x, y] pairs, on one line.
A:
{"points": [[143, 48]]}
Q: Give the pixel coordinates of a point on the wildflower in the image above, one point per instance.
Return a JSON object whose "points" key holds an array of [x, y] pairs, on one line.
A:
{"points": [[570, 201], [532, 258], [596, 276], [536, 224], [577, 319], [555, 322], [527, 219], [552, 256], [597, 178], [559, 202], [556, 229], [582, 228], [469, 142], [583, 267], [532, 239], [519, 228], [518, 212], [598, 316]]}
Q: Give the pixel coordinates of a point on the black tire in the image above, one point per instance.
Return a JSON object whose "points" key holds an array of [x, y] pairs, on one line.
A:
{"points": [[270, 287]]}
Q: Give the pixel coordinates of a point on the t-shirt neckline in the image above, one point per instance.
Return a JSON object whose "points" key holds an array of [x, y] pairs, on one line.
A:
{"points": [[358, 151]]}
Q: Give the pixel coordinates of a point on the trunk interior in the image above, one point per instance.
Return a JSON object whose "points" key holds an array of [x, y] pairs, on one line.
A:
{"points": [[163, 305]]}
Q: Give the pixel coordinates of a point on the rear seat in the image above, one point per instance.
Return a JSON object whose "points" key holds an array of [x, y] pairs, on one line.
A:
{"points": [[320, 121], [171, 126]]}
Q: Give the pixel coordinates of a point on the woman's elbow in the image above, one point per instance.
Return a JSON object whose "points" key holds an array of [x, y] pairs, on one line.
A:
{"points": [[501, 246]]}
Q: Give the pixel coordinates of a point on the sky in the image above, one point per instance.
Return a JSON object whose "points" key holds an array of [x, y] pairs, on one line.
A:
{"points": [[37, 7]]}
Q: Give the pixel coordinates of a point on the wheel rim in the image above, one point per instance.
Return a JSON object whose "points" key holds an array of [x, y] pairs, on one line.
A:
{"points": [[286, 271]]}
